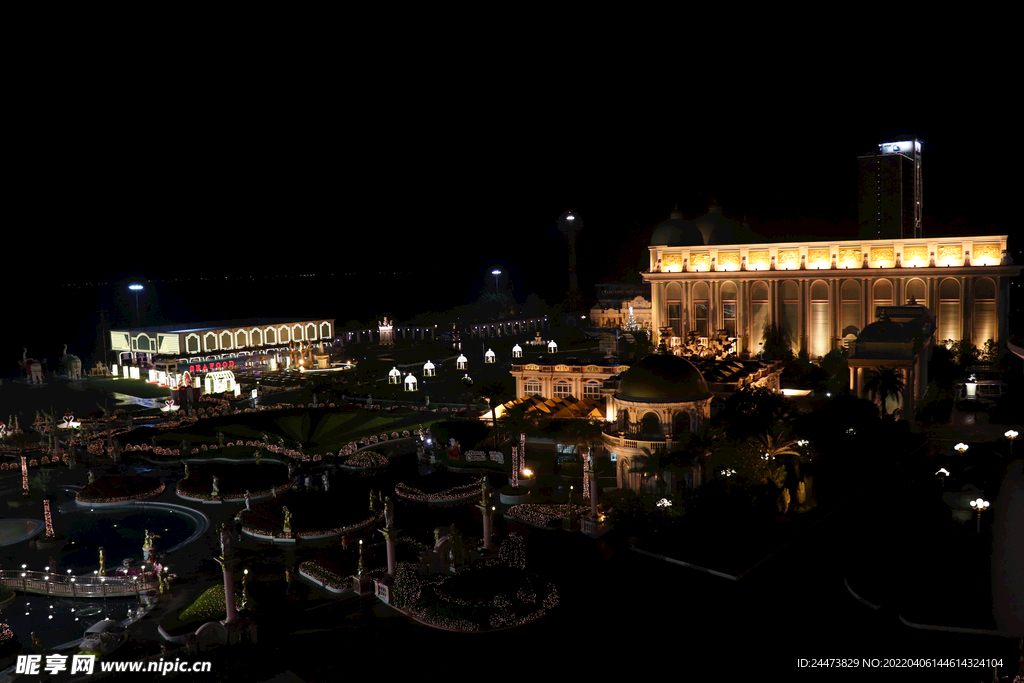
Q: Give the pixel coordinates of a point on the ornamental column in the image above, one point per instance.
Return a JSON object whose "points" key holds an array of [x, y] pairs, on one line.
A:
{"points": [[656, 299], [486, 509]]}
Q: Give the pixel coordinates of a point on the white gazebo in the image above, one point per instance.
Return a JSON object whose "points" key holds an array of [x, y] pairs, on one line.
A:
{"points": [[517, 351], [428, 369], [552, 347], [460, 362], [394, 376], [410, 382], [489, 356]]}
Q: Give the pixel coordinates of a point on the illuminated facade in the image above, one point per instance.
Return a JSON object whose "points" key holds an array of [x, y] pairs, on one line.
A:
{"points": [[825, 292], [191, 343]]}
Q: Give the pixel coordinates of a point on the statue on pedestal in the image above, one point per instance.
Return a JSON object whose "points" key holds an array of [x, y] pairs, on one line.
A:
{"points": [[92, 477], [287, 519], [103, 563], [389, 512], [215, 486], [247, 506], [259, 456], [326, 481], [485, 494], [187, 472]]}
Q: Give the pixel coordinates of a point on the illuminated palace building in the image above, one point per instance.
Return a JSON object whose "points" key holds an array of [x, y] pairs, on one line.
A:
{"points": [[175, 348]]}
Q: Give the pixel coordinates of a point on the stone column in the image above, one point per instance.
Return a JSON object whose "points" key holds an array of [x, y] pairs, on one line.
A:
{"points": [[389, 536], [228, 566], [593, 493], [485, 513]]}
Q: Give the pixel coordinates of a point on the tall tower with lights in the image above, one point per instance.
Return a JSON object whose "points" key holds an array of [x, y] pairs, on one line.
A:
{"points": [[889, 191]]}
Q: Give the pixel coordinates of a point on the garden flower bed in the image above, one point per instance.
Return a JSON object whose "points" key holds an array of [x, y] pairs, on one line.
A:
{"points": [[120, 489], [486, 596], [314, 514], [233, 481], [457, 495], [366, 460], [544, 515]]}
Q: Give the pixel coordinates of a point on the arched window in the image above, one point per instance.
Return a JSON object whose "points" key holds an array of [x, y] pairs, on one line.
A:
{"points": [[674, 299], [256, 335], [700, 309], [592, 389], [729, 303], [758, 311], [984, 312], [650, 424], [225, 340], [949, 310], [917, 291], [820, 343], [850, 294], [681, 423], [532, 387], [271, 335], [562, 388], [881, 294]]}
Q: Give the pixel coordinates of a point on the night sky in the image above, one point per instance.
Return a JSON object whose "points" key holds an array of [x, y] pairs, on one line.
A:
{"points": [[410, 197]]}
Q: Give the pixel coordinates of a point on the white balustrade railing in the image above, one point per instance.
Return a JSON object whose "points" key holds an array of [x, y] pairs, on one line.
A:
{"points": [[77, 586]]}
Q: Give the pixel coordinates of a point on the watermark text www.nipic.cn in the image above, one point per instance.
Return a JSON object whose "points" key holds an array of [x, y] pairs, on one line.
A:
{"points": [[86, 664]]}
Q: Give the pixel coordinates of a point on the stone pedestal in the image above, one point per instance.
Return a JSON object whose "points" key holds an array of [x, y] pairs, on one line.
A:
{"points": [[571, 523], [362, 585], [228, 565]]}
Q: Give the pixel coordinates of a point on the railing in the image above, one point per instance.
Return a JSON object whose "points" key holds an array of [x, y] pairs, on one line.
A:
{"points": [[78, 586], [654, 446]]}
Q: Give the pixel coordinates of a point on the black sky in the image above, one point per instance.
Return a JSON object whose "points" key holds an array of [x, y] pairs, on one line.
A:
{"points": [[440, 180]]}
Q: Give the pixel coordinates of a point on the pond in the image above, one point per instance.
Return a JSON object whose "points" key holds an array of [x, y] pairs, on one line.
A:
{"points": [[61, 620], [120, 532]]}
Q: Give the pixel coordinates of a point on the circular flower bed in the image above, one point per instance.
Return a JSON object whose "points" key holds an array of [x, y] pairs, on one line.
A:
{"points": [[120, 489], [544, 514], [456, 495], [367, 460], [487, 595]]}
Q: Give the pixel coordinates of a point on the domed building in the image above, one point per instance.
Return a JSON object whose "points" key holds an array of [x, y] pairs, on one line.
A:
{"points": [[656, 404]]}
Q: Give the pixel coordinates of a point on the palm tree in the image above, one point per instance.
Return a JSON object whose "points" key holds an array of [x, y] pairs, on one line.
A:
{"points": [[585, 434], [490, 393], [885, 384], [646, 465]]}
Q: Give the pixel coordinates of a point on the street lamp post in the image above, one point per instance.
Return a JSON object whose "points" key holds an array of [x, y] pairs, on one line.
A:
{"points": [[496, 273], [980, 505], [136, 288], [1011, 435]]}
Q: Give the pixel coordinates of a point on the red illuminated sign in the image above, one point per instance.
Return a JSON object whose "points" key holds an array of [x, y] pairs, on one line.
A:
{"points": [[210, 366]]}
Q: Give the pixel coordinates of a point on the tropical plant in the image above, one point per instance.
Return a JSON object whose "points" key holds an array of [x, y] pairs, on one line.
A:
{"points": [[646, 465], [585, 435], [885, 384], [491, 392], [778, 342]]}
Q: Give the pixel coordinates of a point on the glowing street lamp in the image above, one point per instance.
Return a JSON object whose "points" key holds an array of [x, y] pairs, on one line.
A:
{"points": [[942, 474], [961, 448], [496, 273], [136, 288], [1011, 435], [980, 505]]}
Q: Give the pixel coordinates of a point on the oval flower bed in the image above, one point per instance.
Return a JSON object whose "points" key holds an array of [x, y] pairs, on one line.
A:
{"points": [[233, 481], [366, 460], [544, 515], [456, 495], [120, 489], [488, 595], [314, 514]]}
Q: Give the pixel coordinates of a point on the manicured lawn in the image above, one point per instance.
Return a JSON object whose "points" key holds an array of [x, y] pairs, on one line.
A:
{"points": [[132, 387]]}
